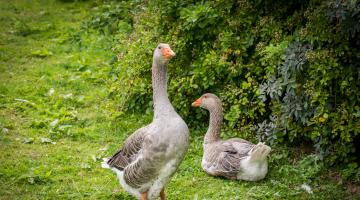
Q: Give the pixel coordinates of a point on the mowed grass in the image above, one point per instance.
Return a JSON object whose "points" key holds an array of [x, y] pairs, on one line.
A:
{"points": [[57, 120]]}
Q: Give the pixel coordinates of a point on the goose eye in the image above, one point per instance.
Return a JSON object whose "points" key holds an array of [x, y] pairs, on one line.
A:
{"points": [[159, 47]]}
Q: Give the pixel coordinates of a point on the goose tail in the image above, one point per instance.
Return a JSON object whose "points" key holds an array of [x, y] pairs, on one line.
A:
{"points": [[104, 163], [260, 152]]}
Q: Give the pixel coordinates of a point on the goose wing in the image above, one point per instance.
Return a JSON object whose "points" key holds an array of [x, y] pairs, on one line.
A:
{"points": [[147, 166], [140, 157], [231, 153], [128, 153], [238, 141]]}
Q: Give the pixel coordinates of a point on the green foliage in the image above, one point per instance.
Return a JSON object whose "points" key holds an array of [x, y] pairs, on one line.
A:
{"points": [[110, 18], [345, 16], [66, 97], [36, 176], [265, 59], [351, 172], [304, 97], [277, 66]]}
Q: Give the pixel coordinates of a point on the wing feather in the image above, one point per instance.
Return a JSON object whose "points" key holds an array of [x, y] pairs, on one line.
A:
{"points": [[146, 167], [140, 172], [128, 153], [227, 156]]}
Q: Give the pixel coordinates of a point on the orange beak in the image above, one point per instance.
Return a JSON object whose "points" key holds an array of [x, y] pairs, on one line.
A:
{"points": [[197, 103], [168, 53]]}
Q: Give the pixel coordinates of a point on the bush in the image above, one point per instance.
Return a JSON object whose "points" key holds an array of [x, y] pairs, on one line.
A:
{"points": [[287, 71]]}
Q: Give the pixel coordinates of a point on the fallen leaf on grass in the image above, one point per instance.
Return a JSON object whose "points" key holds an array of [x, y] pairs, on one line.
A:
{"points": [[67, 96], [46, 140], [307, 188], [5, 130], [51, 91], [28, 140], [63, 127], [22, 100], [41, 53], [53, 123]]}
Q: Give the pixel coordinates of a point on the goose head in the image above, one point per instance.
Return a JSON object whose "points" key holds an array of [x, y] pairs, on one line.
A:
{"points": [[163, 53], [208, 101]]}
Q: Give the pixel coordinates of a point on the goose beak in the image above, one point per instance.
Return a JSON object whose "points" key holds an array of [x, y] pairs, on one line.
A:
{"points": [[168, 53], [197, 103]]}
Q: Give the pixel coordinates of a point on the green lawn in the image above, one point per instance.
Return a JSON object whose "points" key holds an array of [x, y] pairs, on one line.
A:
{"points": [[57, 120]]}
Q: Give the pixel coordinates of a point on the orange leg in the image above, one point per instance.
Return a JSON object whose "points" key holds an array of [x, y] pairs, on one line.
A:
{"points": [[162, 195], [143, 196]]}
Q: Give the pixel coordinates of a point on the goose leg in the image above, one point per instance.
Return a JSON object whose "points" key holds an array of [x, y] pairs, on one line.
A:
{"points": [[143, 196], [162, 195]]}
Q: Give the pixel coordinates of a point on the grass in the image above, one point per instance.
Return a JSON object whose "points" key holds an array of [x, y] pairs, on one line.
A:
{"points": [[58, 121]]}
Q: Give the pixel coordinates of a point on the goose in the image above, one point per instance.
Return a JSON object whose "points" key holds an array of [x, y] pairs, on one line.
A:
{"points": [[151, 155], [233, 158]]}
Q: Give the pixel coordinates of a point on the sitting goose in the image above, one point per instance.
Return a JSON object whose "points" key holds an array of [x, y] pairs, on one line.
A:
{"points": [[234, 158], [151, 155]]}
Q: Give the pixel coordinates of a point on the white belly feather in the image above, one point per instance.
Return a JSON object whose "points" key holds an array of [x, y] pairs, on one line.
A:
{"points": [[163, 179], [156, 187], [252, 171], [120, 174]]}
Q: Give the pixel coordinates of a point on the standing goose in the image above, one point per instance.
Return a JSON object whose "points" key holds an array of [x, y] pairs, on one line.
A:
{"points": [[151, 155], [234, 158]]}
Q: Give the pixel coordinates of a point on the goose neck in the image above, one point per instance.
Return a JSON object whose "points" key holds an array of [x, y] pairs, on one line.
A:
{"points": [[162, 105], [215, 122]]}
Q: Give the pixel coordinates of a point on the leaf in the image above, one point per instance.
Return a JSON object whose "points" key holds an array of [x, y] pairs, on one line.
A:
{"points": [[67, 96], [46, 140], [41, 53], [31, 180], [54, 123], [63, 127], [307, 188], [28, 140], [51, 91], [22, 100], [5, 130]]}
